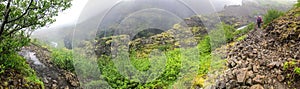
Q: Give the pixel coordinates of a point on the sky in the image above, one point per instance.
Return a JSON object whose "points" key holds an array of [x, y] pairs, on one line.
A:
{"points": [[70, 16]]}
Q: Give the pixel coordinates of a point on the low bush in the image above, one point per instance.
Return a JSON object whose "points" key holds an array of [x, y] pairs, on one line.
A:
{"points": [[298, 3], [244, 31], [221, 35], [11, 60], [63, 58], [292, 70], [271, 15]]}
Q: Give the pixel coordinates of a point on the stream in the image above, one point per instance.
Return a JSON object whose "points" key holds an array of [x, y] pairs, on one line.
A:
{"points": [[240, 28], [31, 57], [52, 76]]}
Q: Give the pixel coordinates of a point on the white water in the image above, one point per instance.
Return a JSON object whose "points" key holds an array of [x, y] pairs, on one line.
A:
{"points": [[240, 28], [30, 56], [54, 44]]}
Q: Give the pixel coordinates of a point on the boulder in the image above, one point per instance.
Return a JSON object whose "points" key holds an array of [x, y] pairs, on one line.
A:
{"points": [[242, 75]]}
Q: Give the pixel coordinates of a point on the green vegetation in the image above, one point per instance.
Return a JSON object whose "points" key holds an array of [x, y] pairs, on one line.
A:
{"points": [[289, 65], [17, 63], [298, 4], [10, 59], [271, 15], [292, 66], [221, 35], [292, 69], [63, 58], [163, 68], [241, 38], [176, 65], [245, 30], [18, 18], [169, 66]]}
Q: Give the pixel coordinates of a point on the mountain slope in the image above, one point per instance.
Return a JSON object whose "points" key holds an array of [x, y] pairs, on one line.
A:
{"points": [[257, 62]]}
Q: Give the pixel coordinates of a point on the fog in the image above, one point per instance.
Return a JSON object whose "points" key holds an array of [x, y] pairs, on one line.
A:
{"points": [[85, 17]]}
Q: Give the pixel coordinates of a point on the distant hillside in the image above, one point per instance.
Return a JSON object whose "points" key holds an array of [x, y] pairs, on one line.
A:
{"points": [[89, 23]]}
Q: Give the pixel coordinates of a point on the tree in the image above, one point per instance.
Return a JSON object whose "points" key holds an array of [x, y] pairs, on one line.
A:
{"points": [[18, 18]]}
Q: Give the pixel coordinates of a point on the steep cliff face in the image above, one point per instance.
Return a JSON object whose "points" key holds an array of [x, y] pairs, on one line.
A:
{"points": [[258, 61]]}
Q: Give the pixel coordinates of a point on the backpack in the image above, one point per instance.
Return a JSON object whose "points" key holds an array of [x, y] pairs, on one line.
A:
{"points": [[259, 19]]}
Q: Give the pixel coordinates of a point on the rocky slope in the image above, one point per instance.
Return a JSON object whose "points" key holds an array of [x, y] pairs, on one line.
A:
{"points": [[12, 79], [257, 61]]}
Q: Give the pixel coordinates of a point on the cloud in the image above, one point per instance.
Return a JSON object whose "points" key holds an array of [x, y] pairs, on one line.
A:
{"points": [[69, 16]]}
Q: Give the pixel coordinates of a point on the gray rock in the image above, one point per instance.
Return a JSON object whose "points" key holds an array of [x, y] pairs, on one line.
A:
{"points": [[258, 79], [54, 86], [231, 84], [232, 64], [255, 68], [280, 78], [54, 81], [249, 81], [257, 86], [250, 74], [45, 80], [241, 76], [271, 65], [5, 84]]}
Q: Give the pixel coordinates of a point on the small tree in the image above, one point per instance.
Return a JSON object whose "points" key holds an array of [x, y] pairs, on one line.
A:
{"points": [[19, 18]]}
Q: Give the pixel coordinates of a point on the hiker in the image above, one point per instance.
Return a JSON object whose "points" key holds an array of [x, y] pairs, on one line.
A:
{"points": [[259, 21]]}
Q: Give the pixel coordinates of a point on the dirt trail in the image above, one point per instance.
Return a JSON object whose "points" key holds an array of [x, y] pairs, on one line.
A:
{"points": [[52, 76]]}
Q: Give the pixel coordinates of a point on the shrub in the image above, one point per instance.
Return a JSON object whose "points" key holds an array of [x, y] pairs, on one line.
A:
{"points": [[167, 69], [292, 71], [289, 65], [298, 4], [63, 58], [297, 70], [244, 31], [221, 35], [271, 15]]}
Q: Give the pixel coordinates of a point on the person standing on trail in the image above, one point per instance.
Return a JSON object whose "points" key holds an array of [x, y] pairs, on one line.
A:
{"points": [[259, 21]]}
